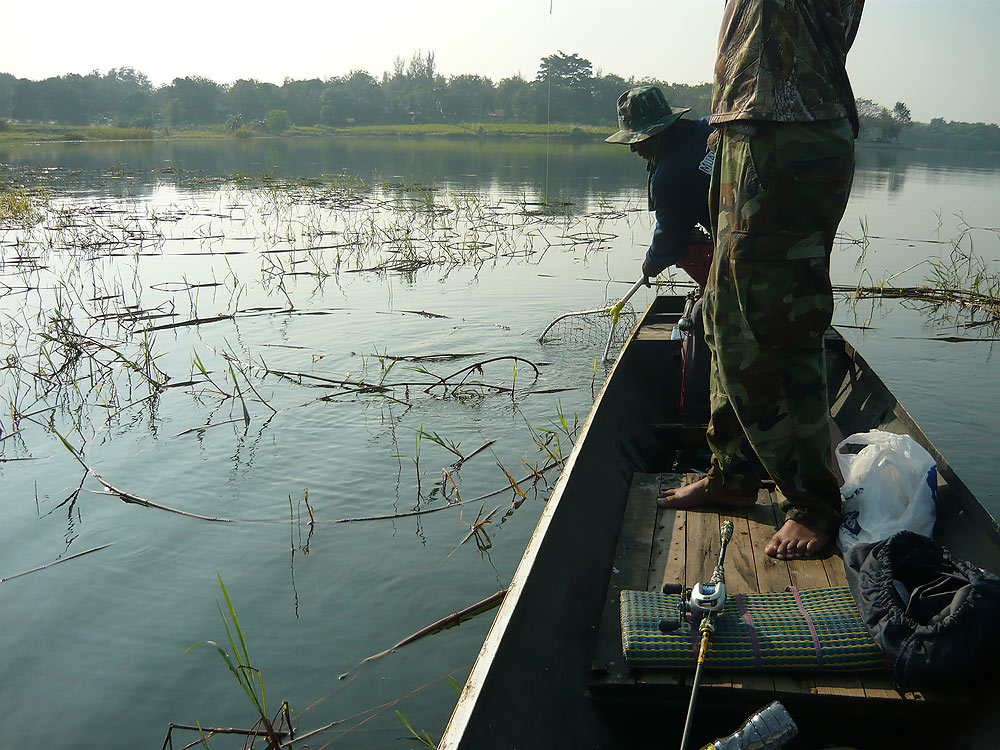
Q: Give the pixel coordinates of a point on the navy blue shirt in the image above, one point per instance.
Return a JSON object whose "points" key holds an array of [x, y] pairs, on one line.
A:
{"points": [[678, 190]]}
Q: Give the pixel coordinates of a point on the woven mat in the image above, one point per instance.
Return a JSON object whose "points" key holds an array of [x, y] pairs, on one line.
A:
{"points": [[810, 630]]}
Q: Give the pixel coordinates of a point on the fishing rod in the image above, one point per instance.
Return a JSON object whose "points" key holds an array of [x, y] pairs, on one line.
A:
{"points": [[706, 600]]}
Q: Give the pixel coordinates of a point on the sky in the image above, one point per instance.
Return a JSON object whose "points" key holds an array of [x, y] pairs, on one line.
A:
{"points": [[924, 53]]}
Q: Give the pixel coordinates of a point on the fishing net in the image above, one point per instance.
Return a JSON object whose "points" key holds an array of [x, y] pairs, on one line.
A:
{"points": [[593, 328]]}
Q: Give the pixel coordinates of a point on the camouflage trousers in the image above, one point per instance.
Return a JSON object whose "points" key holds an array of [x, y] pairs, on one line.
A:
{"points": [[778, 193]]}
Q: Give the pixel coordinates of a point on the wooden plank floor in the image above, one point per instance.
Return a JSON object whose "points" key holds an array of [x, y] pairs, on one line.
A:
{"points": [[660, 546]]}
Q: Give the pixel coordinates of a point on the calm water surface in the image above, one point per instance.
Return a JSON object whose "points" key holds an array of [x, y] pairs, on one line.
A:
{"points": [[93, 649]]}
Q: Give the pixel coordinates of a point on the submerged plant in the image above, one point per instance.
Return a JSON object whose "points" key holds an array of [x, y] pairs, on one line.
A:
{"points": [[422, 737], [248, 676]]}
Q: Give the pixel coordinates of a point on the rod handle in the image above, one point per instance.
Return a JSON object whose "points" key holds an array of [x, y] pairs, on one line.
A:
{"points": [[726, 532]]}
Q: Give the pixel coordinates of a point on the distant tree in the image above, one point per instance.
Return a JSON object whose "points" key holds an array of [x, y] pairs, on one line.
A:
{"points": [[252, 99], [137, 110], [302, 100], [467, 97], [889, 127], [874, 120], [7, 85], [277, 121], [364, 97], [335, 103], [24, 103], [199, 100], [697, 97], [64, 99], [568, 81], [867, 108], [505, 93], [561, 69], [535, 104], [413, 93], [422, 66], [902, 114], [607, 89], [110, 92], [173, 113]]}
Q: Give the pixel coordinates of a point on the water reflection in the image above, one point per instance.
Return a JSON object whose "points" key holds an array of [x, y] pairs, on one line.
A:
{"points": [[570, 169]]}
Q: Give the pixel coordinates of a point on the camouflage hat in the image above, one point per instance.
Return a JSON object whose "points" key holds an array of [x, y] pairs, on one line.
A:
{"points": [[643, 112]]}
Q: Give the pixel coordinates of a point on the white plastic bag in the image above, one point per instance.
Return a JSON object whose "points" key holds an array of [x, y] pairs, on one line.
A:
{"points": [[889, 486]]}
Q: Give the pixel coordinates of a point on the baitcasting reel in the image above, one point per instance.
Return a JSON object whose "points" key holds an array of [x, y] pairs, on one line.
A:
{"points": [[703, 599]]}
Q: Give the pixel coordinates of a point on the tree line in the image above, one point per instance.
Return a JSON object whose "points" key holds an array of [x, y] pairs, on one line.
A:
{"points": [[565, 90]]}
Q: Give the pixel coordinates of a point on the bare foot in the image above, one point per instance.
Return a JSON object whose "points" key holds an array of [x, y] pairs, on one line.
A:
{"points": [[796, 542], [698, 494]]}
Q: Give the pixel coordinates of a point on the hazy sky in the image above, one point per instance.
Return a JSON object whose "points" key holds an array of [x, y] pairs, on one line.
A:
{"points": [[924, 53]]}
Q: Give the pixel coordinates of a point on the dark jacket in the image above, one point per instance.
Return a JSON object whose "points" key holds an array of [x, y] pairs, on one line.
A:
{"points": [[678, 190], [933, 614]]}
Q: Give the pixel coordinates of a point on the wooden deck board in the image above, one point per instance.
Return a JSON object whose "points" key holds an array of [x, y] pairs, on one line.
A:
{"points": [[741, 577], [772, 574], [702, 545], [658, 546], [741, 572]]}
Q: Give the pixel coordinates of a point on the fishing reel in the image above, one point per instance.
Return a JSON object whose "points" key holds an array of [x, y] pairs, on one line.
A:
{"points": [[700, 600], [686, 322]]}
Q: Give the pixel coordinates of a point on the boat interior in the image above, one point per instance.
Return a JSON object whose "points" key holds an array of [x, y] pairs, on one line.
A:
{"points": [[658, 546], [554, 657]]}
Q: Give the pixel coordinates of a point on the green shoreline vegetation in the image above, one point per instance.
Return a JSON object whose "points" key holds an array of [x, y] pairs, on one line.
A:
{"points": [[38, 133], [566, 98], [936, 135]]}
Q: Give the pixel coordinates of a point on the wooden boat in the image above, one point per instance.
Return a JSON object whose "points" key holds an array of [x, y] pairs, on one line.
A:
{"points": [[551, 673]]}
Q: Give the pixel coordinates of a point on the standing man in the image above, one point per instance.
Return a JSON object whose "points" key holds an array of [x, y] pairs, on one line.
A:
{"points": [[783, 170], [680, 167]]}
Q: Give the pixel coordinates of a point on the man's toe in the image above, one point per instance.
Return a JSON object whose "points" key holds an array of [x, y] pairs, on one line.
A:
{"points": [[771, 550]]}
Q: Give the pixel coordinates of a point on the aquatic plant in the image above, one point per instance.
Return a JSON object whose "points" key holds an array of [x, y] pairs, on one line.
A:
{"points": [[250, 680], [20, 208]]}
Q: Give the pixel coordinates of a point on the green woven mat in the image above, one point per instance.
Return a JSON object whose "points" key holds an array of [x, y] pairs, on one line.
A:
{"points": [[815, 629]]}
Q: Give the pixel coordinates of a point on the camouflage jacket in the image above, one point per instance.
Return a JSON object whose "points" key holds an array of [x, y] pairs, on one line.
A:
{"points": [[784, 60]]}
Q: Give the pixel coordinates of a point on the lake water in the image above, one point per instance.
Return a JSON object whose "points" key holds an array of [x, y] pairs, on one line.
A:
{"points": [[335, 295]]}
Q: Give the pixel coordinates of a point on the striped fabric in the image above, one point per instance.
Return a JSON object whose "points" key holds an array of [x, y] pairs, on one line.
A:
{"points": [[811, 630]]}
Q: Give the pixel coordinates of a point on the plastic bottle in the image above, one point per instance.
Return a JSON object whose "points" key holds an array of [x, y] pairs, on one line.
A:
{"points": [[771, 728]]}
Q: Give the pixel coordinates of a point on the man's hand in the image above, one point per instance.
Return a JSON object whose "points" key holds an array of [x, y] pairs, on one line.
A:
{"points": [[646, 274]]}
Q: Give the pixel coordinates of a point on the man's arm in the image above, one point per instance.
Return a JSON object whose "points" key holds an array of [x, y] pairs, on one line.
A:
{"points": [[676, 212]]}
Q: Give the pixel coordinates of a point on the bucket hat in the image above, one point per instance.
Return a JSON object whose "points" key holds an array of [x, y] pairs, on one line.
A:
{"points": [[643, 112]]}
